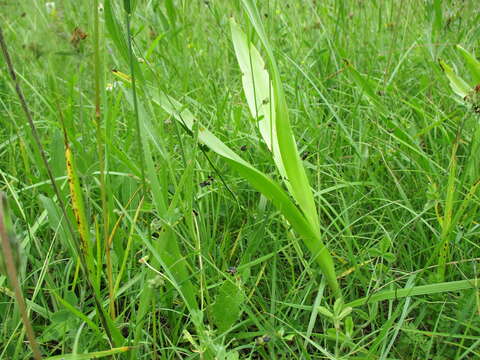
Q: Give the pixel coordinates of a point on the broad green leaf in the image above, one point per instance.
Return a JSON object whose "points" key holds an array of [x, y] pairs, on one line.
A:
{"points": [[458, 85], [171, 12], [447, 225], [258, 92], [472, 63], [227, 307], [78, 314], [169, 251]]}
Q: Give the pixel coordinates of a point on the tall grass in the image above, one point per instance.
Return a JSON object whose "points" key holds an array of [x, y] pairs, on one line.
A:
{"points": [[241, 179]]}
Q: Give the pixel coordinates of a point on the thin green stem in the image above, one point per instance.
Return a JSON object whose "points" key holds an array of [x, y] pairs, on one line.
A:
{"points": [[100, 143], [135, 100]]}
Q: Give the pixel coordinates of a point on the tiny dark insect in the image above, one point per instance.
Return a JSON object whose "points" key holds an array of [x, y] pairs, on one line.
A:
{"points": [[204, 147], [207, 182], [195, 212], [232, 270], [305, 155], [474, 99], [265, 101], [244, 148]]}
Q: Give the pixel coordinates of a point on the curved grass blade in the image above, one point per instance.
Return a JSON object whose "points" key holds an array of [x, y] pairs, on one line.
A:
{"points": [[368, 85], [270, 189]]}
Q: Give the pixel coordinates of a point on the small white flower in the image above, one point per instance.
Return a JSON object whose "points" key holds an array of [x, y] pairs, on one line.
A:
{"points": [[111, 86], [50, 7]]}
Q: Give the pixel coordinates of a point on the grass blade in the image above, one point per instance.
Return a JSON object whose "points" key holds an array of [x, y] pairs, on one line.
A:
{"points": [[417, 291], [92, 355], [78, 206]]}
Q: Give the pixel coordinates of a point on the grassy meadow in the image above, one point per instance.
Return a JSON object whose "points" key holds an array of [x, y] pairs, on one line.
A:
{"points": [[239, 179]]}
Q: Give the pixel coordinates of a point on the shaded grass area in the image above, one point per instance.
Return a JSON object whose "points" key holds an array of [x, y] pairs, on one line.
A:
{"points": [[186, 257]]}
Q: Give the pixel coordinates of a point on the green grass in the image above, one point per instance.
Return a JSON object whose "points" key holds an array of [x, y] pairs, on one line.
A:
{"points": [[336, 220]]}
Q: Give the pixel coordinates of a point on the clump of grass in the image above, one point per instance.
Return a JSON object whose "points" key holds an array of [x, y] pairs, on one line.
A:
{"points": [[367, 160]]}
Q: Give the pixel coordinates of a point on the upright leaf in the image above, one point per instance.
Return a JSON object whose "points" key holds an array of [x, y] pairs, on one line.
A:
{"points": [[292, 163], [458, 85], [473, 64], [258, 92], [78, 206]]}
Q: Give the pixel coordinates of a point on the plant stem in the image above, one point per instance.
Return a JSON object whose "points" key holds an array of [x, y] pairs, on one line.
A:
{"points": [[101, 152], [135, 101], [12, 275]]}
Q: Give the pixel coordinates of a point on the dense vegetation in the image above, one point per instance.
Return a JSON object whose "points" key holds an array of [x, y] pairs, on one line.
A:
{"points": [[239, 179]]}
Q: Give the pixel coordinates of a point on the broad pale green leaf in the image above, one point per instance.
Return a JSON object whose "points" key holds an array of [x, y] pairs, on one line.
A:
{"points": [[458, 85], [472, 63], [297, 177], [227, 307], [258, 92]]}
